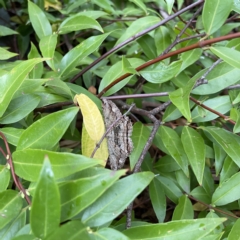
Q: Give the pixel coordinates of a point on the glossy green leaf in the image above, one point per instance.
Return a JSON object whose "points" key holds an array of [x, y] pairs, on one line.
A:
{"points": [[235, 231], [219, 157], [45, 209], [162, 37], [78, 22], [116, 199], [227, 140], [116, 71], [183, 229], [5, 31], [104, 4], [220, 104], [37, 71], [139, 137], [73, 230], [173, 144], [11, 82], [158, 199], [166, 164], [180, 98], [137, 26], [59, 87], [228, 191], [194, 147], [11, 229], [183, 210], [79, 194], [148, 46], [228, 170], [215, 13], [28, 163], [222, 76], [200, 194], [10, 206], [229, 55], [110, 233], [169, 5], [47, 131], [85, 48], [24, 237], [4, 177], [47, 46], [183, 181], [19, 108], [160, 72], [208, 181], [12, 134], [190, 57], [5, 54], [172, 191], [39, 20], [236, 113]]}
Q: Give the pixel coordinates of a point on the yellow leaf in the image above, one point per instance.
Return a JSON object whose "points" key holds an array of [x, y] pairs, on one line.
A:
{"points": [[92, 117], [88, 145], [52, 3]]}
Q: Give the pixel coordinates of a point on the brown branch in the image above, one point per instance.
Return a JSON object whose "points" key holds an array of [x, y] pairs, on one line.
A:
{"points": [[133, 38], [8, 157], [199, 44]]}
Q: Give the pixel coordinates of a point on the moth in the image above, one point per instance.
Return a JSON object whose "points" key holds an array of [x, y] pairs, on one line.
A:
{"points": [[119, 140]]}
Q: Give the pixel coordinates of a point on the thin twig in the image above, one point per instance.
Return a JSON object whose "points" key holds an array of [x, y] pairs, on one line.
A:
{"points": [[233, 87], [10, 162], [109, 129], [133, 38], [175, 42]]}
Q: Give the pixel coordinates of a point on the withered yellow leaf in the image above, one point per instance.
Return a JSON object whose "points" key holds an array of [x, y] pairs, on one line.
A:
{"points": [[92, 117], [88, 145]]}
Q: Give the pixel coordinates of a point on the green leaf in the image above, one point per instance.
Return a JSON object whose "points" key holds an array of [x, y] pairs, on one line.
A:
{"points": [[37, 71], [140, 5], [5, 31], [39, 20], [229, 55], [110, 233], [79, 194], [174, 146], [235, 231], [194, 147], [220, 104], [172, 191], [28, 163], [148, 46], [45, 209], [158, 199], [183, 229], [215, 13], [116, 71], [5, 54], [227, 140], [200, 194], [4, 177], [162, 37], [10, 206], [73, 230], [184, 209], [180, 98], [47, 46], [11, 82], [19, 108], [228, 170], [208, 182], [166, 164], [228, 191], [47, 131], [12, 134], [12, 228], [140, 136], [78, 22], [160, 72], [219, 157], [138, 26], [116, 199], [169, 5], [85, 48], [222, 76]]}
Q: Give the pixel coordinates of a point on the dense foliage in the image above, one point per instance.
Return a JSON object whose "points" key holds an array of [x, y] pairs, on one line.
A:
{"points": [[174, 65]]}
